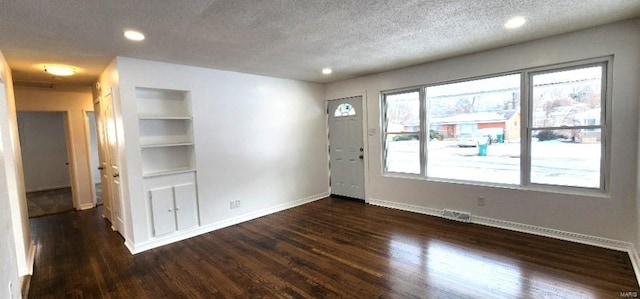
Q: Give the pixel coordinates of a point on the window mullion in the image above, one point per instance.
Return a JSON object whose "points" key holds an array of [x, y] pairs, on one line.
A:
{"points": [[425, 136], [525, 131], [605, 119]]}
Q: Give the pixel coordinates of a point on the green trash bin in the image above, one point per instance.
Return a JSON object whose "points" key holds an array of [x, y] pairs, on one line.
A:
{"points": [[482, 149], [500, 138]]}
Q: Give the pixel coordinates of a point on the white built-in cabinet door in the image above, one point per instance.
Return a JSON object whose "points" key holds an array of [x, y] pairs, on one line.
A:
{"points": [[186, 206], [173, 208], [162, 209]]}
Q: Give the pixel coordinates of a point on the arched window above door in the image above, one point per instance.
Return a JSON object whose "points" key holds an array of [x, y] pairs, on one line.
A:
{"points": [[344, 109]]}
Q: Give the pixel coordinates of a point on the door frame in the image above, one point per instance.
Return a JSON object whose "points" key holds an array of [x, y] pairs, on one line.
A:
{"points": [[366, 133], [90, 149], [70, 150]]}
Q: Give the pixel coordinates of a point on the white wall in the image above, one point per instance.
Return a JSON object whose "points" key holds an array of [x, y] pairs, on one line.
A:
{"points": [[258, 139], [8, 253], [44, 150], [75, 104], [12, 160], [612, 216]]}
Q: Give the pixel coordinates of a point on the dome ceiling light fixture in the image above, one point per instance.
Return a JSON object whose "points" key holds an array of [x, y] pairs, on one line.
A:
{"points": [[60, 70]]}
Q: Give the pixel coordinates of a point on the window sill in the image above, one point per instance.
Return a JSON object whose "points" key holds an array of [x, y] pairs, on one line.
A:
{"points": [[575, 191]]}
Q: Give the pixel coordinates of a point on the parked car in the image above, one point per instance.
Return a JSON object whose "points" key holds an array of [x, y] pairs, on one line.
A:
{"points": [[472, 140], [406, 137]]}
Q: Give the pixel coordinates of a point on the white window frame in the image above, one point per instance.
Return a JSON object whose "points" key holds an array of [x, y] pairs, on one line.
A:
{"points": [[385, 133], [526, 127], [605, 123], [426, 150]]}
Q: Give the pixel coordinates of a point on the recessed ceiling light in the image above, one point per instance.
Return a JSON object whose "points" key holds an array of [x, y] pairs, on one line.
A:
{"points": [[59, 70], [134, 35], [515, 22], [327, 71]]}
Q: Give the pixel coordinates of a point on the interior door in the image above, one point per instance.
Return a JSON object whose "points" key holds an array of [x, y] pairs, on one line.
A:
{"points": [[346, 147], [103, 164], [112, 167]]}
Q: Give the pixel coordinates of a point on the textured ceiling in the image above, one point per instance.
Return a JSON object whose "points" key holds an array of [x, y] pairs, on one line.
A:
{"points": [[281, 38]]}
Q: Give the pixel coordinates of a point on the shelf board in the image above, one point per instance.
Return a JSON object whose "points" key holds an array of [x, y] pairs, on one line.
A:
{"points": [[151, 117], [166, 145], [150, 174]]}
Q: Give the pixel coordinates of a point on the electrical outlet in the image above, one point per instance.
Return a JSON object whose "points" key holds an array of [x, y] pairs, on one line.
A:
{"points": [[234, 204], [481, 201]]}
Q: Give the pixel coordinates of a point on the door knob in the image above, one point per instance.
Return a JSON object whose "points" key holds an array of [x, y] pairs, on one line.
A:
{"points": [[361, 157], [100, 168], [116, 175]]}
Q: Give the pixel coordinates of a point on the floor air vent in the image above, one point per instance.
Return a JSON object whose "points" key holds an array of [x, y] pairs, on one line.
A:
{"points": [[457, 215]]}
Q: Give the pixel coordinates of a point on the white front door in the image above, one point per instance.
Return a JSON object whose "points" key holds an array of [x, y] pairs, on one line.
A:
{"points": [[113, 169], [346, 147]]}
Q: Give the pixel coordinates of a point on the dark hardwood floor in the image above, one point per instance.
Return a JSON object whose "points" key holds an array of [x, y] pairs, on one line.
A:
{"points": [[332, 248]]}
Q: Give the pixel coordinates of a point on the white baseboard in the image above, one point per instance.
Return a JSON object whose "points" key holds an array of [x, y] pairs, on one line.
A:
{"points": [[405, 207], [553, 233], [530, 229], [135, 248], [86, 206], [129, 245], [635, 260], [31, 257]]}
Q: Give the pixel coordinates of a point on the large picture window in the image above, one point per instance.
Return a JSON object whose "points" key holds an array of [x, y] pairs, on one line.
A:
{"points": [[543, 126], [476, 125]]}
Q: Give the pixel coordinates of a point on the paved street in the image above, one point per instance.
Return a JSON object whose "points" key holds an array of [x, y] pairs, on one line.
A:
{"points": [[554, 162]]}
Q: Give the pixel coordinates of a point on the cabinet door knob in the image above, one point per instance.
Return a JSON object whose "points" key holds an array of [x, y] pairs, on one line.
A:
{"points": [[169, 210]]}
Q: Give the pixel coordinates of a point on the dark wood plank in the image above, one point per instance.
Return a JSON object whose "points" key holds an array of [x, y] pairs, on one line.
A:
{"points": [[327, 249]]}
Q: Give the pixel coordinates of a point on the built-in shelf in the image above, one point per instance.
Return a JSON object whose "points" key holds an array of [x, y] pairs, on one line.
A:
{"points": [[167, 172], [167, 152], [162, 103], [165, 145], [165, 131]]}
